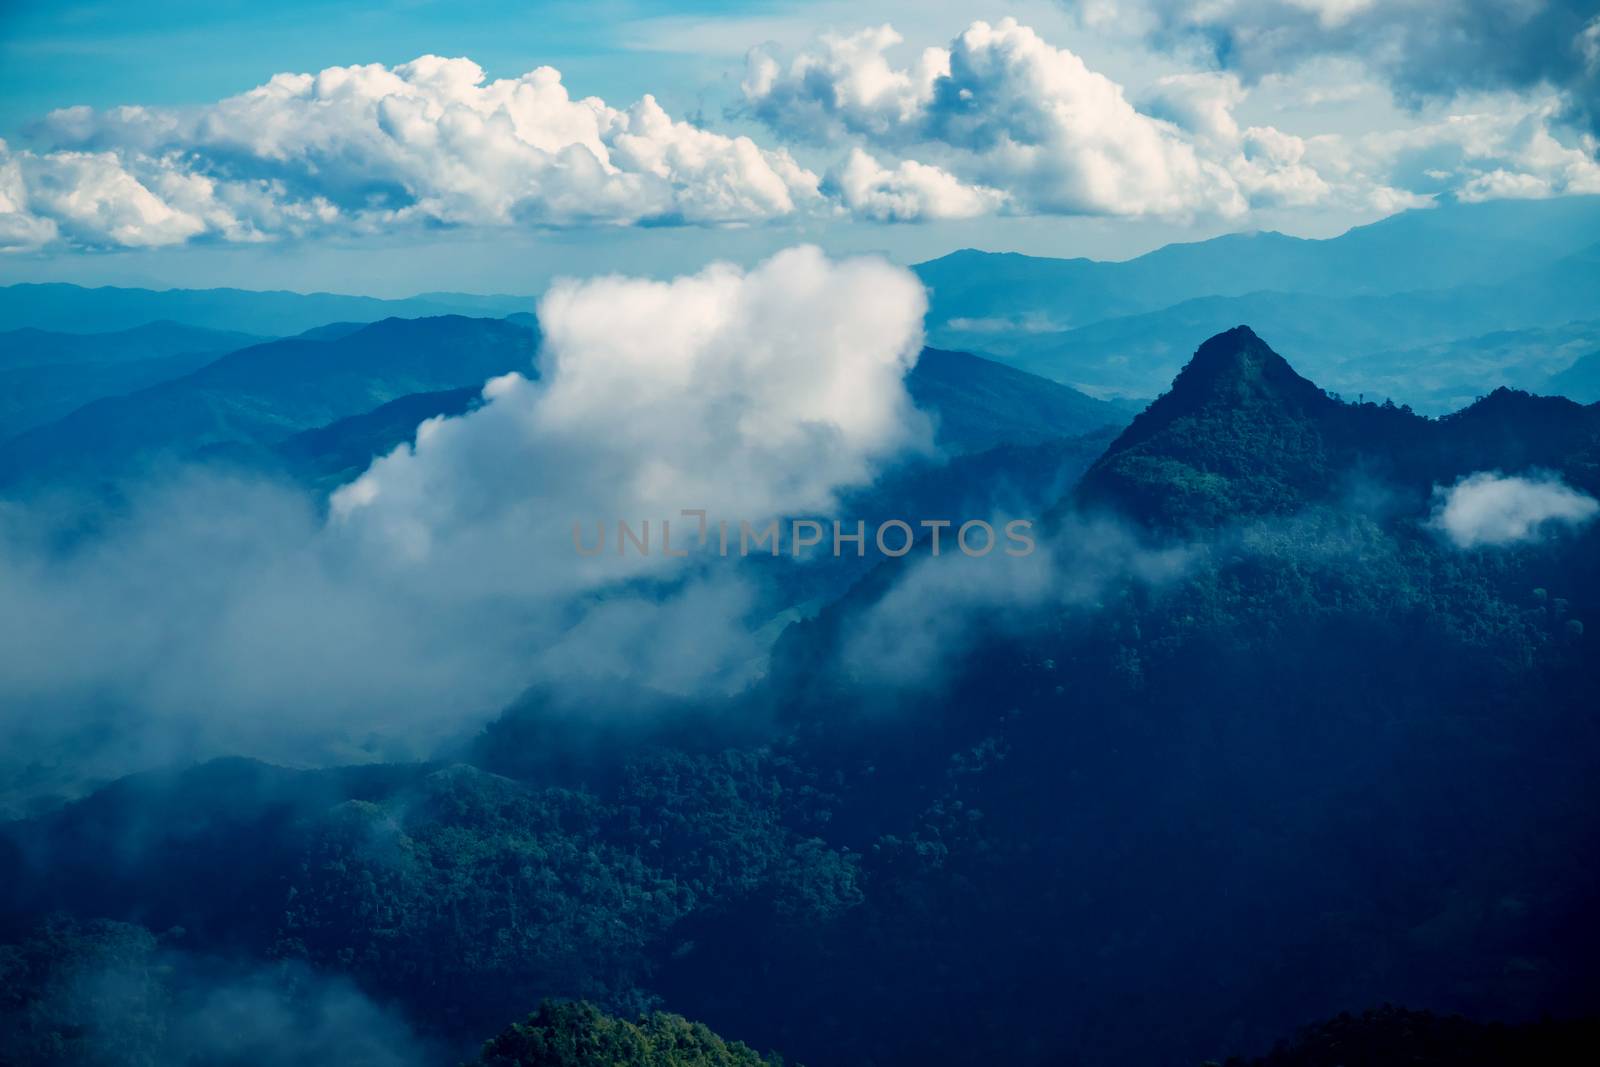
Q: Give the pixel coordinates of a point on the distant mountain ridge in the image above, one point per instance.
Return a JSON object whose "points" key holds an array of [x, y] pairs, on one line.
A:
{"points": [[1581, 380], [262, 394], [1336, 337], [32, 347], [329, 456], [980, 403], [1346, 305], [1436, 248], [76, 309], [46, 374]]}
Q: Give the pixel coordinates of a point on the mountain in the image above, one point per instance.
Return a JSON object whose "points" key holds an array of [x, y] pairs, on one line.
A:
{"points": [[30, 347], [260, 395], [1249, 675], [1580, 380], [73, 308], [1423, 278], [978, 403], [1269, 751], [974, 294], [329, 456], [1445, 376], [1338, 339], [1241, 434], [45, 374], [34, 396], [1139, 354]]}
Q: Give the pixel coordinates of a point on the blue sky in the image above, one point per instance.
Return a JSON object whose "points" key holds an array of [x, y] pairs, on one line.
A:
{"points": [[1083, 127], [191, 51]]}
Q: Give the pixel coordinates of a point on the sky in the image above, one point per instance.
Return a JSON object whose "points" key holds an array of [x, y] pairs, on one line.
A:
{"points": [[417, 146]]}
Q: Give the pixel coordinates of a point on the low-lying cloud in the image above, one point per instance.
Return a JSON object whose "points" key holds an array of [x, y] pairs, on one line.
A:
{"points": [[220, 614], [1488, 509], [941, 606], [113, 994]]}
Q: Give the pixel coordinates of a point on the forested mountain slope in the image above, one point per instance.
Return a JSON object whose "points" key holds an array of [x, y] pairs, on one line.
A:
{"points": [[262, 394]]}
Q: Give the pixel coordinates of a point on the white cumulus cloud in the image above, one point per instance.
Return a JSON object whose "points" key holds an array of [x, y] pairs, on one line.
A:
{"points": [[909, 192], [998, 120], [20, 228], [368, 147], [1502, 146], [1492, 509], [1267, 165], [749, 394], [845, 84], [1002, 109]]}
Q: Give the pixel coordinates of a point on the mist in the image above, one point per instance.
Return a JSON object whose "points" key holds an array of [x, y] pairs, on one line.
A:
{"points": [[941, 606], [115, 993], [221, 612]]}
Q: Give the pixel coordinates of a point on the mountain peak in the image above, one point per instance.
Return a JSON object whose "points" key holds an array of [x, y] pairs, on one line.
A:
{"points": [[1241, 434], [1236, 365], [1234, 370], [1240, 335], [1226, 439]]}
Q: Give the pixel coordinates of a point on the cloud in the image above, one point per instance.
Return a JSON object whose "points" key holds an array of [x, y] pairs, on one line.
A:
{"points": [[844, 85], [940, 607], [1001, 109], [20, 228], [1503, 147], [748, 394], [90, 197], [1424, 49], [911, 192], [362, 148], [220, 614], [105, 992], [1491, 509], [998, 120], [1268, 166], [285, 1014]]}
